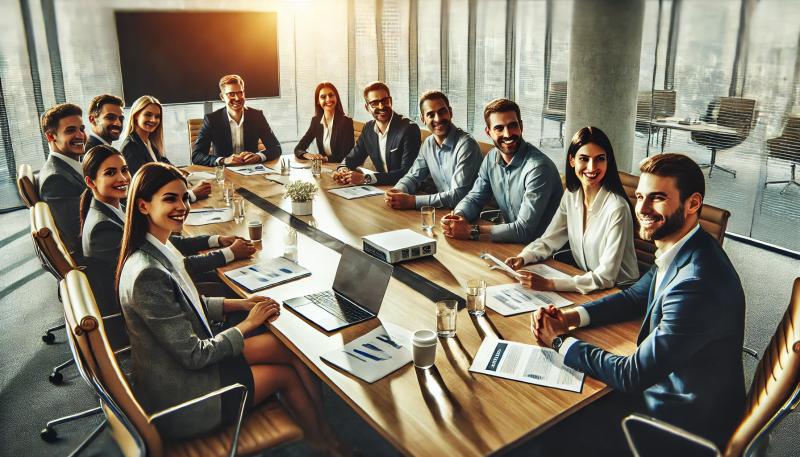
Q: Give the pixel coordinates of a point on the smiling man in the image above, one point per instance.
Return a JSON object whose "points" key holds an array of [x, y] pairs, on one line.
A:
{"points": [[105, 117], [450, 156], [522, 180], [61, 178], [687, 367]]}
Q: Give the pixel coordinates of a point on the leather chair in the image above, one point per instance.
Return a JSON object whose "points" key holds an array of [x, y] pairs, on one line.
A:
{"points": [[555, 109], [786, 147], [132, 428], [357, 128], [735, 113], [774, 393], [26, 185]]}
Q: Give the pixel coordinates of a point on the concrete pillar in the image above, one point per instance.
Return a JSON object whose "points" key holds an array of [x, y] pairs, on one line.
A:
{"points": [[604, 53]]}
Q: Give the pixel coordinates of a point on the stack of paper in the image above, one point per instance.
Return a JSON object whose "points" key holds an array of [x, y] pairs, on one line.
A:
{"points": [[510, 299], [374, 355], [350, 193], [267, 274], [203, 216]]}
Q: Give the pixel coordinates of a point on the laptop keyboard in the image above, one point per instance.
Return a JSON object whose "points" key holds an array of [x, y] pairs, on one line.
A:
{"points": [[344, 311]]}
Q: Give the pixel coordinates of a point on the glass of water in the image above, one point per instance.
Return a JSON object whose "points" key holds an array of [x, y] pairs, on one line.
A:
{"points": [[228, 192], [428, 217], [238, 208], [476, 297], [446, 313], [316, 167], [290, 244], [219, 174]]}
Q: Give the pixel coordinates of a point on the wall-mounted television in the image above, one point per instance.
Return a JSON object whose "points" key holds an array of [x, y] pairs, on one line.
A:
{"points": [[179, 56]]}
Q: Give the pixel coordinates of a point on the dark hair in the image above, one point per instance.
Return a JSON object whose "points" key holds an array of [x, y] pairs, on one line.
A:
{"points": [[594, 135], [688, 176], [433, 95], [318, 109], [91, 166], [53, 116], [98, 102], [375, 85], [500, 105], [145, 183]]}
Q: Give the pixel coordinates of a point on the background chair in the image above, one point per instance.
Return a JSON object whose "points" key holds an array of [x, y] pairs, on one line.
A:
{"points": [[774, 393], [735, 113], [786, 147], [26, 185], [555, 109], [663, 105]]}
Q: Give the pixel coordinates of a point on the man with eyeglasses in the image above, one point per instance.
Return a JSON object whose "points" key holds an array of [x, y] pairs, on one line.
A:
{"points": [[234, 131], [105, 117], [391, 141]]}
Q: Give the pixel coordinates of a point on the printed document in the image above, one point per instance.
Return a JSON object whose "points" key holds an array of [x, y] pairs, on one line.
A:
{"points": [[280, 179], [545, 271], [267, 274], [251, 170], [204, 216], [350, 193], [497, 264], [510, 299], [374, 355], [526, 363]]}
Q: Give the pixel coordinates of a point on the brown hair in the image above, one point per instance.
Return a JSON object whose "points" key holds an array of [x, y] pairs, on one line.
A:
{"points": [[318, 109], [91, 166], [376, 85], [433, 95], [230, 79], [688, 177], [53, 116], [500, 105], [611, 181], [98, 102]]}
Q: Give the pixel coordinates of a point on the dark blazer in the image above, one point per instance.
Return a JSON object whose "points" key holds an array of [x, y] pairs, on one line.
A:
{"points": [[688, 362], [402, 148], [217, 131], [342, 139], [136, 153], [92, 141], [60, 186]]}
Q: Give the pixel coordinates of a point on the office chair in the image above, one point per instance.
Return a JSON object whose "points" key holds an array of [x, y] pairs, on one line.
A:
{"points": [[555, 109], [26, 185], [357, 128], [735, 113], [786, 147], [663, 105], [132, 428], [774, 393]]}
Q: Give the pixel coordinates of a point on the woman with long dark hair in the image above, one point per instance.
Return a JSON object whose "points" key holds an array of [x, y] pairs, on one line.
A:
{"points": [[594, 216], [330, 127]]}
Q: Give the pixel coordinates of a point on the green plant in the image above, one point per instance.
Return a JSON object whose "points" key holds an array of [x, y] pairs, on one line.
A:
{"points": [[300, 191]]}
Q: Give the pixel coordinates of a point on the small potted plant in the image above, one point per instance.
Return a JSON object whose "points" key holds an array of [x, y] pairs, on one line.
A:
{"points": [[301, 193]]}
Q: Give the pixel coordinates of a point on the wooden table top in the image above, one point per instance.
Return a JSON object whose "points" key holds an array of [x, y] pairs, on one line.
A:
{"points": [[446, 410]]}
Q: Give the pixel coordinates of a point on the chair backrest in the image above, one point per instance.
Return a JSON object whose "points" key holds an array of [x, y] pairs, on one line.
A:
{"points": [[26, 185], [485, 147], [777, 379], [736, 113], [557, 96], [792, 127], [128, 421], [357, 128], [194, 126], [51, 249], [662, 101], [423, 134]]}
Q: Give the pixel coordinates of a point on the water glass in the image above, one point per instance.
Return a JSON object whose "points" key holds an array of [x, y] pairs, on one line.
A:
{"points": [[219, 174], [316, 167], [228, 192], [446, 313], [428, 217], [238, 208], [476, 297], [290, 244]]}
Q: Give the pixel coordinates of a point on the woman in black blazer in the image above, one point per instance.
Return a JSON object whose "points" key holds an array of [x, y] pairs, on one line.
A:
{"points": [[331, 128]]}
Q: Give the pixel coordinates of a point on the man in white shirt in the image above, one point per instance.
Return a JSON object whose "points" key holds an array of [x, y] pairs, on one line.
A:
{"points": [[105, 118]]}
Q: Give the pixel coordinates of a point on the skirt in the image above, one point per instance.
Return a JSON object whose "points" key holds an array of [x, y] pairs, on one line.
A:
{"points": [[235, 370]]}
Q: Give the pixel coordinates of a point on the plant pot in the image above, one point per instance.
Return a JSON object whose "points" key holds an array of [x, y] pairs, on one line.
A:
{"points": [[302, 208]]}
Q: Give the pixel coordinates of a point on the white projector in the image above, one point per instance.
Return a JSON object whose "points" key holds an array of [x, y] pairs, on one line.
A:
{"points": [[399, 245]]}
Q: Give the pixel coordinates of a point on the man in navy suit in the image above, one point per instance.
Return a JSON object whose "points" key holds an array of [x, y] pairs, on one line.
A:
{"points": [[234, 131], [688, 365], [390, 140]]}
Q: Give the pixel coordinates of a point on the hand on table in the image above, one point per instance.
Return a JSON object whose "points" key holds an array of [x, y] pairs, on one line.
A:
{"points": [[396, 199], [262, 310], [250, 158], [201, 190], [515, 262], [312, 156], [534, 281], [242, 249], [455, 226], [235, 159], [548, 323], [347, 176]]}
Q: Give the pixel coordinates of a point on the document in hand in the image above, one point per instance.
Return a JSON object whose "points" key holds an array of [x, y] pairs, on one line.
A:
{"points": [[510, 299], [204, 216], [250, 170], [526, 363], [267, 274], [374, 355], [545, 271], [356, 192]]}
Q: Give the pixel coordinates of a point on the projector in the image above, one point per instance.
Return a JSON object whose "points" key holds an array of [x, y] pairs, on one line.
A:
{"points": [[399, 245]]}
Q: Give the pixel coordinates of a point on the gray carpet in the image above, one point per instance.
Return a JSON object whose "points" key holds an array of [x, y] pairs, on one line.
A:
{"points": [[29, 304]]}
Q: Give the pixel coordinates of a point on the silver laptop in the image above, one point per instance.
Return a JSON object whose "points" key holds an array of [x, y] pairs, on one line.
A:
{"points": [[358, 289]]}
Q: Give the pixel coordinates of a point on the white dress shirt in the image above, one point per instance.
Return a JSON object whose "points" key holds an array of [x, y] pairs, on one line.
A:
{"points": [[382, 137], [237, 137], [327, 130], [118, 211], [76, 165], [99, 138]]}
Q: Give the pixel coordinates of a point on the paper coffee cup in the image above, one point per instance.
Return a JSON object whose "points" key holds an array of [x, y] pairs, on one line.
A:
{"points": [[254, 229], [424, 352]]}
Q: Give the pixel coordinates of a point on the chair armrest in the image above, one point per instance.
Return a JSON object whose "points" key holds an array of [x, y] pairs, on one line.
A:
{"points": [[750, 352], [218, 392], [663, 438]]}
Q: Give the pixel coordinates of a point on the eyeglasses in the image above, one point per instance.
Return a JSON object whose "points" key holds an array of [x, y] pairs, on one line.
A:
{"points": [[386, 101], [238, 93]]}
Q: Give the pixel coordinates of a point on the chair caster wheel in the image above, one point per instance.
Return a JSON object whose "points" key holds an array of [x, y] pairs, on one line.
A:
{"points": [[56, 377], [48, 338], [48, 434]]}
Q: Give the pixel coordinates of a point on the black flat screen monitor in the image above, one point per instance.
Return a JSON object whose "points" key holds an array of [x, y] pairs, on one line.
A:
{"points": [[179, 56]]}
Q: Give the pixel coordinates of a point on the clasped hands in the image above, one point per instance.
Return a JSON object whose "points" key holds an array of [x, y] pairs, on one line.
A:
{"points": [[455, 226], [547, 323], [241, 248], [397, 199], [242, 158], [344, 175]]}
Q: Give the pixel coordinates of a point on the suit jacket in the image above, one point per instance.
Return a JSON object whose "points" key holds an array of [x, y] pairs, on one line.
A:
{"points": [[60, 186], [402, 147], [175, 358], [688, 361], [216, 130], [136, 153], [342, 139], [92, 141]]}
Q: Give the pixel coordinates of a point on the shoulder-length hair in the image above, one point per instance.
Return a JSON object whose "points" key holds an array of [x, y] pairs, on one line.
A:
{"points": [[91, 166], [582, 137], [144, 185], [339, 109], [157, 137]]}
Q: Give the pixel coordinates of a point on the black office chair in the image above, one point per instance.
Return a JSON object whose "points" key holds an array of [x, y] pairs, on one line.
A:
{"points": [[735, 113], [786, 147], [555, 109]]}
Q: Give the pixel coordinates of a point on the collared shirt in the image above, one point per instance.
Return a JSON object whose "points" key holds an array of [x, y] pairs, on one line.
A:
{"points": [[382, 137], [237, 137], [103, 141], [327, 131], [603, 248], [118, 211], [76, 165], [527, 191], [453, 167], [150, 150]]}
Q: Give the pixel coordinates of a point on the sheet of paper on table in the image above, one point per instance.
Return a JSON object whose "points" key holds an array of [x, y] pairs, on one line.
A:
{"points": [[252, 170], [511, 299], [267, 274], [280, 179], [350, 193], [545, 271], [197, 176], [204, 216], [374, 355]]}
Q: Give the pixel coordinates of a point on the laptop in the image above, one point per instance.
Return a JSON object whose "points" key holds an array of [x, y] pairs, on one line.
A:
{"points": [[358, 289]]}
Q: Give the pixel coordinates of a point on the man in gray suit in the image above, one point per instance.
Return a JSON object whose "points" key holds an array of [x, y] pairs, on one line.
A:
{"points": [[61, 178]]}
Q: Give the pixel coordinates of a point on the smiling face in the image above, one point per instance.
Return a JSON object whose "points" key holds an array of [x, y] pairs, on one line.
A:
{"points": [[327, 100], [379, 104], [167, 210], [111, 183], [661, 214], [505, 130], [148, 119], [233, 96], [590, 164], [69, 137], [108, 124], [437, 117]]}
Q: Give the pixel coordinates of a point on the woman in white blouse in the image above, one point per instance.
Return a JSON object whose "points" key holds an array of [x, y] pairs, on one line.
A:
{"points": [[330, 129], [594, 216]]}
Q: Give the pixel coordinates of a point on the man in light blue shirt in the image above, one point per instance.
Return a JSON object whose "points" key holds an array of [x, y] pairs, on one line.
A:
{"points": [[523, 181], [450, 156]]}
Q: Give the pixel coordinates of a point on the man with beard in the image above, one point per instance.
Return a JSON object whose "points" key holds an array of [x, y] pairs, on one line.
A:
{"points": [[391, 141], [687, 367], [61, 178], [105, 116], [449, 156], [522, 180]]}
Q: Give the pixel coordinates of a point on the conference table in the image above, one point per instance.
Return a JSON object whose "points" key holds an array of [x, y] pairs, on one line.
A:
{"points": [[444, 410], [677, 123]]}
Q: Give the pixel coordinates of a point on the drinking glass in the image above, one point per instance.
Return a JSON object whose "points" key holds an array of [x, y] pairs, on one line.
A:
{"points": [[428, 217], [238, 208], [219, 174], [476, 297], [228, 193], [316, 167], [446, 313], [290, 244]]}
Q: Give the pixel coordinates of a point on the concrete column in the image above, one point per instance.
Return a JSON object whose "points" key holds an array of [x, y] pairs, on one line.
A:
{"points": [[604, 53]]}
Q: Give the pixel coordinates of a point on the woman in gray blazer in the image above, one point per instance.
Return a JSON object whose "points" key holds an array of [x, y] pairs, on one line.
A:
{"points": [[179, 352]]}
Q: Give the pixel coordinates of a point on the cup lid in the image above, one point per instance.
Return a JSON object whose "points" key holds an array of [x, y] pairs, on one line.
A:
{"points": [[424, 338], [253, 223]]}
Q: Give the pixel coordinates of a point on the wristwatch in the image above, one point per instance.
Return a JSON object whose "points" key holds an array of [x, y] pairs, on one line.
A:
{"points": [[557, 342], [474, 232], [369, 179]]}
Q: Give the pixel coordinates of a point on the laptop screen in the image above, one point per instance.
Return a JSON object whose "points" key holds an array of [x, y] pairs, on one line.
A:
{"points": [[362, 278]]}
